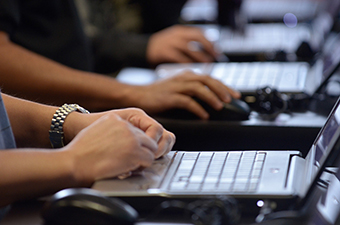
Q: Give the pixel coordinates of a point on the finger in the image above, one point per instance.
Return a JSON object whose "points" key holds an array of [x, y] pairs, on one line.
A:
{"points": [[165, 144], [197, 88], [198, 36], [196, 52], [124, 175], [186, 102], [146, 158], [234, 93], [143, 160], [146, 141], [222, 91], [147, 124], [178, 55]]}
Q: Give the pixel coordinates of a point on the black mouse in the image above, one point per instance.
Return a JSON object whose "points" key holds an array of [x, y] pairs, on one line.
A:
{"points": [[83, 206], [236, 110]]}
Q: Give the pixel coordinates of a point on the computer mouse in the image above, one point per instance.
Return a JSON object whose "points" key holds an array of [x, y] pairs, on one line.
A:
{"points": [[236, 110], [84, 206]]}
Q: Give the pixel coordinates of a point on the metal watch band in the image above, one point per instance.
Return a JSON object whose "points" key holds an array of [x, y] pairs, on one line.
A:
{"points": [[56, 132]]}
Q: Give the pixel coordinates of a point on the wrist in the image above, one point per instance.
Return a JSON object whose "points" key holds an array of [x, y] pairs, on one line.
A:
{"points": [[78, 172], [76, 177], [56, 133]]}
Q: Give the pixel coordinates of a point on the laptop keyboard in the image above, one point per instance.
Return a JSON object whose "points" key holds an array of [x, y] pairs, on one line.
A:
{"points": [[250, 76], [218, 171]]}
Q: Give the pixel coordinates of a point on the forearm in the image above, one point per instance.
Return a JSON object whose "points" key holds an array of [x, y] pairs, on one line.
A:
{"points": [[29, 75], [28, 174], [30, 121]]}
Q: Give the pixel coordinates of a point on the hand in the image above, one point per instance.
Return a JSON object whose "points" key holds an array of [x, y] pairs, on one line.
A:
{"points": [[110, 146], [176, 92], [180, 44], [165, 140], [151, 127]]}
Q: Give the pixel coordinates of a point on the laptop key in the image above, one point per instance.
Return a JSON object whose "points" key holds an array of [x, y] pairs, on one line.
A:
{"points": [[240, 187], [193, 186], [178, 185], [208, 186], [225, 186], [252, 187]]}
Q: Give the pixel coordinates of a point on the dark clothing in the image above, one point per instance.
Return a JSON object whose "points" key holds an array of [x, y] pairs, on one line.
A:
{"points": [[53, 29], [131, 51], [6, 135], [160, 14], [6, 139], [50, 28], [114, 48]]}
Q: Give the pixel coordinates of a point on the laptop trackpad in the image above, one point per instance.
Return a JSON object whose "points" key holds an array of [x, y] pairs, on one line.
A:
{"points": [[138, 183]]}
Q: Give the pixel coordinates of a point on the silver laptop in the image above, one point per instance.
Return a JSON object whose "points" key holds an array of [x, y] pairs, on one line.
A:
{"points": [[286, 77], [327, 208], [275, 10], [254, 10], [285, 40], [265, 40], [248, 175]]}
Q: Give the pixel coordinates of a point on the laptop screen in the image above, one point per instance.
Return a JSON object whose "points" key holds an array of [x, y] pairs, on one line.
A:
{"points": [[330, 61], [320, 155], [327, 137], [323, 152]]}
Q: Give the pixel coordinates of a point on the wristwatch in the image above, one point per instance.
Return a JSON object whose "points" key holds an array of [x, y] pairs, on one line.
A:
{"points": [[56, 132]]}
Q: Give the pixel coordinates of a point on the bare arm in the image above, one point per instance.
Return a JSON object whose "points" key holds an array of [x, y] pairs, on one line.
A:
{"points": [[101, 145], [27, 74], [108, 148], [30, 121]]}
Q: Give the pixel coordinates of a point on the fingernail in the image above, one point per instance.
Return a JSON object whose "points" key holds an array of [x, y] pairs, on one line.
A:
{"points": [[124, 175], [219, 105], [205, 116], [227, 98], [238, 94]]}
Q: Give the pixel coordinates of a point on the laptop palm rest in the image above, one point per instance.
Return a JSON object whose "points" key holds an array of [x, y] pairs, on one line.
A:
{"points": [[137, 184]]}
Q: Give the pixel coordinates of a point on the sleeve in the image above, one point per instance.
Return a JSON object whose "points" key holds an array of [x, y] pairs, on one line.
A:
{"points": [[7, 140], [9, 15], [117, 49]]}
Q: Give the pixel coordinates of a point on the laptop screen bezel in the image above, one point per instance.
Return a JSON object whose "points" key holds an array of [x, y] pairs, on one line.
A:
{"points": [[327, 74], [328, 159]]}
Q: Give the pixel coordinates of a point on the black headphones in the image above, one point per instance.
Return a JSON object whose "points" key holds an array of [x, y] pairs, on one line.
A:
{"points": [[269, 102]]}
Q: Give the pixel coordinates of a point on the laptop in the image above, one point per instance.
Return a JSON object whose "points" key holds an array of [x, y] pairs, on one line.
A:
{"points": [[275, 10], [265, 40], [286, 41], [195, 11], [327, 207], [321, 206], [249, 176], [286, 77]]}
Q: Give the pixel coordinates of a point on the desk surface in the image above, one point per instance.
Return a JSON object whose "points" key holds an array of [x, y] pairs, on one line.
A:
{"points": [[288, 131]]}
